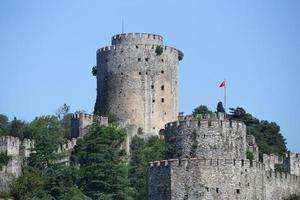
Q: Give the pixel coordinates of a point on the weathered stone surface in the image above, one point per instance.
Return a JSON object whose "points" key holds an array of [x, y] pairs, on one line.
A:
{"points": [[137, 84], [212, 179], [209, 137], [212, 164]]}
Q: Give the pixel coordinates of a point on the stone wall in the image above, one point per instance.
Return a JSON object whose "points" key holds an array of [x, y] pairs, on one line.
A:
{"points": [[218, 179], [137, 84], [271, 161], [10, 145], [252, 147], [191, 179], [291, 163], [80, 121], [207, 137], [280, 186]]}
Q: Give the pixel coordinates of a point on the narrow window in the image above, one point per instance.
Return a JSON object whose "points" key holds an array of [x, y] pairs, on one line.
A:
{"points": [[136, 46], [162, 60], [139, 59], [162, 87], [153, 100], [121, 73], [217, 190], [140, 73], [146, 73], [162, 100], [152, 86], [146, 59], [238, 191], [162, 71]]}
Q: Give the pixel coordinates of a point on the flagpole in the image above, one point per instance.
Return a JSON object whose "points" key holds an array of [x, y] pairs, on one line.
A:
{"points": [[225, 97]]}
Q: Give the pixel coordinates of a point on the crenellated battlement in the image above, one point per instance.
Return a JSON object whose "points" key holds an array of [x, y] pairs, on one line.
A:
{"points": [[125, 38], [204, 122], [291, 163], [166, 49], [80, 121], [82, 115], [207, 162], [282, 175]]}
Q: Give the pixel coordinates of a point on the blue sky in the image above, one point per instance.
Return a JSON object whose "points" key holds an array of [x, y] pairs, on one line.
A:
{"points": [[47, 50]]}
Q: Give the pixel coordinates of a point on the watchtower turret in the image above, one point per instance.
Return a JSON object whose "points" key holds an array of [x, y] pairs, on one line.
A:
{"points": [[137, 80], [209, 136]]}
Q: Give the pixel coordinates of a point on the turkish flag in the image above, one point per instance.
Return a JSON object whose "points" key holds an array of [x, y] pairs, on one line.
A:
{"points": [[222, 84]]}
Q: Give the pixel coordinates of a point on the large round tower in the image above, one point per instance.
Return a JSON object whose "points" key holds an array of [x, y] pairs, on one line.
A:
{"points": [[137, 80]]}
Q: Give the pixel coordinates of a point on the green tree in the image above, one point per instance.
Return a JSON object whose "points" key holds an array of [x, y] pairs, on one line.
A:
{"points": [[202, 109], [4, 158], [267, 134], [141, 153], [74, 193], [48, 135], [4, 125], [29, 185], [59, 180], [17, 128], [220, 107], [102, 161]]}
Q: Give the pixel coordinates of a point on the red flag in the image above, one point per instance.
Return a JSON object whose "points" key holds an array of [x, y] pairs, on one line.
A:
{"points": [[222, 84]]}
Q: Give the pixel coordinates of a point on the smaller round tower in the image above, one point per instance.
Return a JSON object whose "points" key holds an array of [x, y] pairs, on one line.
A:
{"points": [[208, 137], [137, 80]]}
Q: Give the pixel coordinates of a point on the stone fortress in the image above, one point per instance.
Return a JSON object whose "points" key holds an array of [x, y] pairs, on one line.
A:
{"points": [[137, 81], [208, 162]]}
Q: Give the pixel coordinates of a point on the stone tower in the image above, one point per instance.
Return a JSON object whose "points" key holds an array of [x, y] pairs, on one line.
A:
{"points": [[137, 80]]}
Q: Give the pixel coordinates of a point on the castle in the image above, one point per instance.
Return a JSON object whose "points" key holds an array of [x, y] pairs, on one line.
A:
{"points": [[137, 81], [208, 162]]}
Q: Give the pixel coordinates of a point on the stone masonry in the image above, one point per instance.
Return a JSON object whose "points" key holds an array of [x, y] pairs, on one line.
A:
{"points": [[209, 163], [210, 137], [138, 83]]}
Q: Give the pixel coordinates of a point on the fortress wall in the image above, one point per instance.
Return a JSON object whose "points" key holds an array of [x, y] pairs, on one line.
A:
{"points": [[280, 186], [207, 138], [291, 163], [136, 84], [270, 161], [209, 179], [218, 179], [10, 145], [159, 180], [252, 146], [5, 180]]}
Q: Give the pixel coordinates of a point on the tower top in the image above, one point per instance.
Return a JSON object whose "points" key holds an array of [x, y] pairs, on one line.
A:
{"points": [[137, 38]]}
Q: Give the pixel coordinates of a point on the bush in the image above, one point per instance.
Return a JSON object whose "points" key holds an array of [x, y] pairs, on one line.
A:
{"points": [[250, 155], [94, 71], [293, 197], [180, 55], [3, 159], [159, 50]]}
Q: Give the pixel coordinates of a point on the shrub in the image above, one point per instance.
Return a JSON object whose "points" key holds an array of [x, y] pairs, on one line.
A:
{"points": [[159, 50], [250, 155], [180, 55]]}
